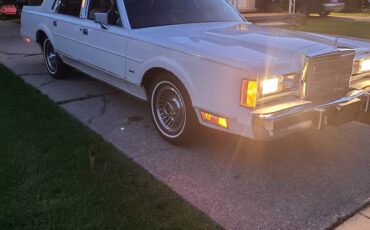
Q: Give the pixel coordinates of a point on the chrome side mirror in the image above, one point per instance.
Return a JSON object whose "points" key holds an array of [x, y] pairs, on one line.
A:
{"points": [[102, 19]]}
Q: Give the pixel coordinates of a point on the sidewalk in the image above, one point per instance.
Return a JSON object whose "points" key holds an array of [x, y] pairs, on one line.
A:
{"points": [[350, 18], [360, 221]]}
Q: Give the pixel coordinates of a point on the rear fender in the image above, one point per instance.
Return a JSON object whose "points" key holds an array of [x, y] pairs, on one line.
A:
{"points": [[44, 28]]}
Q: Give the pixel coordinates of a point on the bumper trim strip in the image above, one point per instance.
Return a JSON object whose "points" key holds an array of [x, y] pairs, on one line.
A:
{"points": [[291, 111]]}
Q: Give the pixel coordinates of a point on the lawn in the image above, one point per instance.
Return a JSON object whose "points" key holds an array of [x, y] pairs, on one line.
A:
{"points": [[55, 173], [335, 26]]}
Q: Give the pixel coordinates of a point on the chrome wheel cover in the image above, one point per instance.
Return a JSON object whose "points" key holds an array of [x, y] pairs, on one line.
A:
{"points": [[50, 57], [169, 110]]}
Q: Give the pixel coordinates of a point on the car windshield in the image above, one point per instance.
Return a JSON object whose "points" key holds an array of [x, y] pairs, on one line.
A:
{"points": [[149, 13]]}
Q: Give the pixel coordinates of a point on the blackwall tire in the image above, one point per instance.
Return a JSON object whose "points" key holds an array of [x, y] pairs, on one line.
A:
{"points": [[54, 65], [172, 111], [324, 13]]}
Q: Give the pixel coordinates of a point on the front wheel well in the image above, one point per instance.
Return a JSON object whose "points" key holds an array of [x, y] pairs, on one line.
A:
{"points": [[152, 74]]}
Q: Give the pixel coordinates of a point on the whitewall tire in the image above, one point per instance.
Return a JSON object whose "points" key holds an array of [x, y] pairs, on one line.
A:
{"points": [[54, 65], [171, 109]]}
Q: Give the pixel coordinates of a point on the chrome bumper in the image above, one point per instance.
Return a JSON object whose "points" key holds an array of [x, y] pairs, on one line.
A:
{"points": [[289, 121]]}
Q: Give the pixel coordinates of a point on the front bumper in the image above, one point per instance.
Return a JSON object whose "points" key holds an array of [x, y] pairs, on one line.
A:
{"points": [[286, 122]]}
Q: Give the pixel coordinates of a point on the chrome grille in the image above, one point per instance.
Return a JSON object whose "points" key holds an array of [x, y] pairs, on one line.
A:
{"points": [[327, 76]]}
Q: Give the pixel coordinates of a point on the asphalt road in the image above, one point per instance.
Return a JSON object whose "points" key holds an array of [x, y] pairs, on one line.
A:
{"points": [[306, 181]]}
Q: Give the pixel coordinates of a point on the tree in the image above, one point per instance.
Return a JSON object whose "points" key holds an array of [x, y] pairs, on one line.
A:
{"points": [[353, 5]]}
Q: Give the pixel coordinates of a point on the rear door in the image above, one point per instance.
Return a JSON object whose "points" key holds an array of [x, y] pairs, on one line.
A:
{"points": [[106, 43], [66, 28]]}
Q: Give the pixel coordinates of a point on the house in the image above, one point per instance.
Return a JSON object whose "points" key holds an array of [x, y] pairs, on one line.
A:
{"points": [[253, 5], [245, 5]]}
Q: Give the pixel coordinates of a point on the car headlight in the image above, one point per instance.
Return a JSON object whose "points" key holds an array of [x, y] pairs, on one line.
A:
{"points": [[272, 85], [280, 83], [364, 65], [361, 66], [251, 91]]}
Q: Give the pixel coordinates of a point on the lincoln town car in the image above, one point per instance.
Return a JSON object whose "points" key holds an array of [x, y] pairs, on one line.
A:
{"points": [[199, 62]]}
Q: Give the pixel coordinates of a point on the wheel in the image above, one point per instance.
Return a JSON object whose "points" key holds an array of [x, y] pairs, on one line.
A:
{"points": [[56, 68], [324, 13], [171, 110]]}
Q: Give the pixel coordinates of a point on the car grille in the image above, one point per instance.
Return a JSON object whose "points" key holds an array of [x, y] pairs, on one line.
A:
{"points": [[327, 76]]}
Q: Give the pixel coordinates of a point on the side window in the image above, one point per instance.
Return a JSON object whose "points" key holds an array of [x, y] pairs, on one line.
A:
{"points": [[107, 8], [31, 3], [70, 7]]}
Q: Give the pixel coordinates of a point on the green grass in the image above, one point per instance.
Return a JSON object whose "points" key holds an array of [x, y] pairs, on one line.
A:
{"points": [[57, 174], [334, 26]]}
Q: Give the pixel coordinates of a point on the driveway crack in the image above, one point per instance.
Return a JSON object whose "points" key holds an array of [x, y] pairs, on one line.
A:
{"points": [[102, 111], [31, 55], [45, 83], [86, 98], [31, 74], [19, 54]]}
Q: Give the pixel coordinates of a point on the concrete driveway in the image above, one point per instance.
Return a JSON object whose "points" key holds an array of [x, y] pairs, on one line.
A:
{"points": [[307, 181]]}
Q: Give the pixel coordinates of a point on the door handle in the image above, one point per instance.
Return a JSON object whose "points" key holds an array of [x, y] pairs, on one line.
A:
{"points": [[85, 31], [55, 23]]}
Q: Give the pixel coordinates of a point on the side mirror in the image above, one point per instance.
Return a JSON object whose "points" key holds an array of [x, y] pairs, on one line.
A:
{"points": [[102, 19]]}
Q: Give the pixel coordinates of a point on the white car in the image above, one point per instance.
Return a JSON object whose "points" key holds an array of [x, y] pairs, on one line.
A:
{"points": [[201, 62]]}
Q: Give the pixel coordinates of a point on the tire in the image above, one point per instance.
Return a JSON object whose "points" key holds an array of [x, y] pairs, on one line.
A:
{"points": [[172, 111], [324, 13], [54, 65]]}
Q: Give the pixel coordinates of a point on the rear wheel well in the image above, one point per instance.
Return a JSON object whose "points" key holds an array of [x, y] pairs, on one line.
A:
{"points": [[40, 37]]}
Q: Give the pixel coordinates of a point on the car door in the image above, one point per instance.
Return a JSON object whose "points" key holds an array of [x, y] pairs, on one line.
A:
{"points": [[66, 28], [105, 42]]}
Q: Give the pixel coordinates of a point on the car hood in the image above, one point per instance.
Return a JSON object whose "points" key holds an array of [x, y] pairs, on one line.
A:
{"points": [[248, 46]]}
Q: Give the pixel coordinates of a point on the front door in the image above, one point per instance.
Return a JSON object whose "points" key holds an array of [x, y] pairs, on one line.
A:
{"points": [[105, 42]]}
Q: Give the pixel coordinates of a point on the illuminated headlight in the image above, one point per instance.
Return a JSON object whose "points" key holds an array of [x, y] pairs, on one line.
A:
{"points": [[251, 90], [361, 66], [364, 66], [272, 85]]}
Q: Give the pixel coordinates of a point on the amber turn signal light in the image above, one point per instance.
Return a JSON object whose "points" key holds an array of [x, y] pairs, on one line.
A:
{"points": [[213, 119], [248, 96]]}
